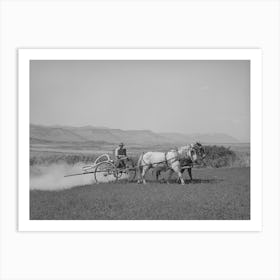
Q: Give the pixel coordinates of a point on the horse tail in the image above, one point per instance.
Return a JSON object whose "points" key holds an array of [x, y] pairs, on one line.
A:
{"points": [[140, 168], [139, 163]]}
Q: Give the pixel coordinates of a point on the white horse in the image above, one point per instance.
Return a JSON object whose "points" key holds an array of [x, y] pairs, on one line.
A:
{"points": [[169, 159]]}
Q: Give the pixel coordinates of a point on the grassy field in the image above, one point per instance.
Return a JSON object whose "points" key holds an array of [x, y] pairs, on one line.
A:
{"points": [[216, 155], [214, 194]]}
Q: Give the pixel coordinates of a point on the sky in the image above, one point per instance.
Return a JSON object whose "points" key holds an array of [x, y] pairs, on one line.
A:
{"points": [[184, 96]]}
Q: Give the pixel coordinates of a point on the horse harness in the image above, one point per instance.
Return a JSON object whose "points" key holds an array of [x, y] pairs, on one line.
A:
{"points": [[167, 160]]}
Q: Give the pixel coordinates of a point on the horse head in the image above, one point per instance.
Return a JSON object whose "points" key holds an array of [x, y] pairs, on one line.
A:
{"points": [[195, 152], [187, 152], [199, 151]]}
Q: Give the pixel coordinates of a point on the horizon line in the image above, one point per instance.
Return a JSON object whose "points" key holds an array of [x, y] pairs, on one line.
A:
{"points": [[105, 127]]}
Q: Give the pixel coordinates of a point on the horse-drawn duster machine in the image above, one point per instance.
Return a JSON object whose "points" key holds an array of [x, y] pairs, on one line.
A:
{"points": [[105, 170]]}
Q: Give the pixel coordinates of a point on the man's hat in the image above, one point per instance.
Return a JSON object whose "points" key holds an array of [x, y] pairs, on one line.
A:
{"points": [[121, 144]]}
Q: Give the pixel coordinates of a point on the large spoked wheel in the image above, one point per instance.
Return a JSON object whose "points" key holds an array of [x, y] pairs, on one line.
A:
{"points": [[128, 173], [105, 172]]}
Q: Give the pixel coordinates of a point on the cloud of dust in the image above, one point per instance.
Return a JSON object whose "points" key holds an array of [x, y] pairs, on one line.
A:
{"points": [[51, 177]]}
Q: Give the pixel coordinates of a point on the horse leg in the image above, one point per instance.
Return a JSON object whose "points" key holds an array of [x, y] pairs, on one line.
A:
{"points": [[139, 168], [178, 179], [190, 173], [177, 169], [181, 178], [158, 173], [140, 174], [144, 171], [170, 172], [140, 179]]}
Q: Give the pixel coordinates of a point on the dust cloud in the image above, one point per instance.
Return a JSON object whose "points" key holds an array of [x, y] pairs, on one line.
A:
{"points": [[51, 177]]}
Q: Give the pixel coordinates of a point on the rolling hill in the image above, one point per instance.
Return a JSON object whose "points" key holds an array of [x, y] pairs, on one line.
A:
{"points": [[40, 133]]}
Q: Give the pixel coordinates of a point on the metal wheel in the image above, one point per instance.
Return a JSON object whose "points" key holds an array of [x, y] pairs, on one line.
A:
{"points": [[105, 172]]}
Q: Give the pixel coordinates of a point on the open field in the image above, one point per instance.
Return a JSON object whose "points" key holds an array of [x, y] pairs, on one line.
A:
{"points": [[89, 147], [227, 155], [214, 194]]}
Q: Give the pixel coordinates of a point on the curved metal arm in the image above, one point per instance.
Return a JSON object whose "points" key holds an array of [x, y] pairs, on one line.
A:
{"points": [[100, 157]]}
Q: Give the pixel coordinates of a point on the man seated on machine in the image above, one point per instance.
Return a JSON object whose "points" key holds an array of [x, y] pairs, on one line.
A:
{"points": [[120, 156]]}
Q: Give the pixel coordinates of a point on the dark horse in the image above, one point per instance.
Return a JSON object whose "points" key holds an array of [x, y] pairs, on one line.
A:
{"points": [[184, 162]]}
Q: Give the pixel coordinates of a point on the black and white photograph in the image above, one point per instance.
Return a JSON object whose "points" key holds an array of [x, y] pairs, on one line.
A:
{"points": [[139, 139]]}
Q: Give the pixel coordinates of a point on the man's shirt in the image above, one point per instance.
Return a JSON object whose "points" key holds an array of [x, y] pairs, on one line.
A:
{"points": [[120, 152]]}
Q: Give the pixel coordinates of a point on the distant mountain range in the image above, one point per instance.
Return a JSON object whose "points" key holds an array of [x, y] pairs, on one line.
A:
{"points": [[40, 133]]}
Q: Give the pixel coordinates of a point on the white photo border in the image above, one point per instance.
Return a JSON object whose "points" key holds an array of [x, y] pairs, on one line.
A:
{"points": [[255, 57]]}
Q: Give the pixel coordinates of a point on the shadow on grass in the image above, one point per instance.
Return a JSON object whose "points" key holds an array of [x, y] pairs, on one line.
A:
{"points": [[204, 181], [188, 181]]}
